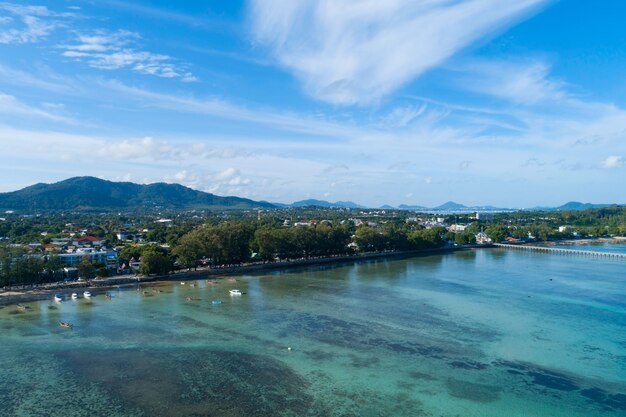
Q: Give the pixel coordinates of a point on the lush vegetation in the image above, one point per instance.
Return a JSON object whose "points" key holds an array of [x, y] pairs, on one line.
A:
{"points": [[89, 193], [202, 238]]}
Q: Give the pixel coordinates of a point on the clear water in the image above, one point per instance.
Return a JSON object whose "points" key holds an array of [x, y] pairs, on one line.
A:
{"points": [[482, 333], [616, 247]]}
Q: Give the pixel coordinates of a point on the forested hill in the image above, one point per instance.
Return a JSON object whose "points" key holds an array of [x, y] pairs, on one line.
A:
{"points": [[89, 193]]}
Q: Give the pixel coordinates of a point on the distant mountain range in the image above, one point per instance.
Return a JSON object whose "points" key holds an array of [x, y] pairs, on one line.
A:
{"points": [[322, 203], [89, 193], [575, 205]]}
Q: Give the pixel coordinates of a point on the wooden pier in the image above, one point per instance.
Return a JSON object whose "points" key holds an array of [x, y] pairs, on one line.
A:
{"points": [[561, 251]]}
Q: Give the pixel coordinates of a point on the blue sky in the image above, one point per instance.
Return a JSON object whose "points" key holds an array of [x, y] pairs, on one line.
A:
{"points": [[514, 104]]}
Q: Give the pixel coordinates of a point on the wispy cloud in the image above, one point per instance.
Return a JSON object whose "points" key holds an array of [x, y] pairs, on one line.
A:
{"points": [[114, 50], [522, 81], [202, 21], [26, 23], [101, 49], [280, 120], [12, 106], [350, 52], [12, 77]]}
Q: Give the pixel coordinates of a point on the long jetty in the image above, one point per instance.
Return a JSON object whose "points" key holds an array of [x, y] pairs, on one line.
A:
{"points": [[561, 251]]}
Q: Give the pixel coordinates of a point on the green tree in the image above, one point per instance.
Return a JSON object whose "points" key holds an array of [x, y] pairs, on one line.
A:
{"points": [[85, 267], [189, 250], [155, 260], [465, 238], [53, 267], [102, 272], [496, 233]]}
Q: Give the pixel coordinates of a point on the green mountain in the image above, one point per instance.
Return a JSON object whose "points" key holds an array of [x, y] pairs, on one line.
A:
{"points": [[89, 193], [576, 205], [324, 203], [450, 205]]}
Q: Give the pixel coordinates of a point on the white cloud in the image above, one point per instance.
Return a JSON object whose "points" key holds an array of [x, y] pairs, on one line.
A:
{"points": [[184, 177], [145, 148], [36, 22], [113, 50], [613, 161], [347, 51], [523, 82], [226, 174]]}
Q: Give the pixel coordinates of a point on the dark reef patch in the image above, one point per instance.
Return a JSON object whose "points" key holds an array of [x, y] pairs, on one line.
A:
{"points": [[604, 399], [320, 355], [422, 376], [351, 335], [539, 376], [194, 382], [468, 364], [560, 382], [553, 380], [480, 393], [188, 321], [361, 362]]}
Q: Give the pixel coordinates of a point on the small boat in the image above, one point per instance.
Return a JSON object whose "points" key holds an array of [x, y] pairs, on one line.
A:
{"points": [[22, 307], [74, 296], [108, 296], [216, 302], [65, 325], [235, 292], [87, 294], [58, 298]]}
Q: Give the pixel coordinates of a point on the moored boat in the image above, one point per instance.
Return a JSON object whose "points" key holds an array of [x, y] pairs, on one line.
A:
{"points": [[65, 325], [87, 294], [74, 296], [58, 298], [235, 292]]}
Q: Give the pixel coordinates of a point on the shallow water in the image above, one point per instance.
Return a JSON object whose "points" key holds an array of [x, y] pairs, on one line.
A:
{"points": [[479, 333], [618, 246]]}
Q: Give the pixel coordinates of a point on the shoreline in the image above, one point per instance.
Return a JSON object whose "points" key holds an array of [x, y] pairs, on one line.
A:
{"points": [[41, 292]]}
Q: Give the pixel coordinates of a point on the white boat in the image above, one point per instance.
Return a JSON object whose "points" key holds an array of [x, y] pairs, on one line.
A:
{"points": [[74, 296], [57, 298], [87, 294], [235, 292]]}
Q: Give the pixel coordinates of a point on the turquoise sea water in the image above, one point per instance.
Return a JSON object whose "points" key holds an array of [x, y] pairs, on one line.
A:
{"points": [[491, 332], [616, 247]]}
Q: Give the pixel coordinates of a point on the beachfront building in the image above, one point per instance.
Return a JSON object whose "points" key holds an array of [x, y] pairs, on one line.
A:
{"points": [[482, 238], [88, 241], [456, 228], [107, 258]]}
